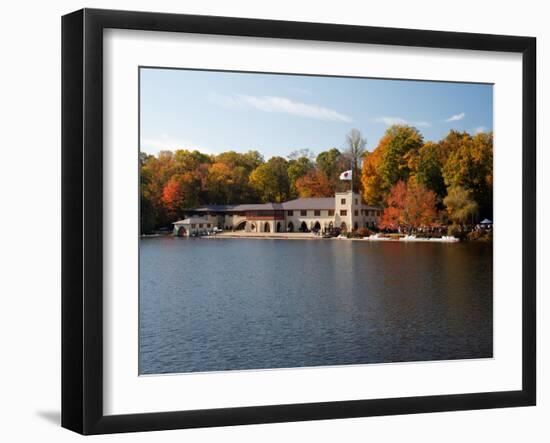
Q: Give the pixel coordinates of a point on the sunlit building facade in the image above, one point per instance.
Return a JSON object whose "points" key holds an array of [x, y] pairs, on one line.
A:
{"points": [[346, 210]]}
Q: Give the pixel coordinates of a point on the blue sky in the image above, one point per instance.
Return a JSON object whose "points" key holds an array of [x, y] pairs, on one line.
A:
{"points": [[277, 114]]}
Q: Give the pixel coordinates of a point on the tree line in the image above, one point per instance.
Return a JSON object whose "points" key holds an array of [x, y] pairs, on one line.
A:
{"points": [[418, 183], [424, 184], [173, 181]]}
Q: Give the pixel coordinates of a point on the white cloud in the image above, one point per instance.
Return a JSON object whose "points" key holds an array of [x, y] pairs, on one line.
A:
{"points": [[480, 129], [167, 143], [456, 117], [389, 121], [421, 124], [280, 105]]}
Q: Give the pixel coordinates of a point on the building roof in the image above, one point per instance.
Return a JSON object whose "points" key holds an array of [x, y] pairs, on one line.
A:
{"points": [[190, 220], [297, 204], [309, 203], [258, 207], [213, 208]]}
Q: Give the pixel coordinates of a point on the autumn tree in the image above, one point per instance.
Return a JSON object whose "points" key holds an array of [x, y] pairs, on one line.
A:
{"points": [[393, 215], [470, 166], [149, 212], [394, 159], [223, 183], [411, 205], [461, 208], [155, 171], [402, 173], [189, 161], [227, 181], [314, 184], [451, 143], [374, 192], [399, 145], [248, 161], [180, 193], [298, 167], [420, 206]]}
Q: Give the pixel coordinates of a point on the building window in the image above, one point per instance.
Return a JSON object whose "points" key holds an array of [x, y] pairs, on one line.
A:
{"points": [[200, 225], [343, 201], [208, 225], [331, 212], [193, 225], [317, 212], [303, 213], [356, 212], [356, 202], [290, 213], [343, 212]]}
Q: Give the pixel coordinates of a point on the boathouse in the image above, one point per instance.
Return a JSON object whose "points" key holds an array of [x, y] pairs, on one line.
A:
{"points": [[346, 210]]}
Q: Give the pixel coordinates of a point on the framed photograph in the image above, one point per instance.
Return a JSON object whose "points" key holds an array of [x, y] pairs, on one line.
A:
{"points": [[268, 221]]}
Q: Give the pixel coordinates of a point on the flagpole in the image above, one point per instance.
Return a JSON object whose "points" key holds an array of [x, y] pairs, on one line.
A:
{"points": [[351, 184]]}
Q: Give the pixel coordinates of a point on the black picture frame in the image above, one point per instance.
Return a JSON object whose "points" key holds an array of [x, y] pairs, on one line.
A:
{"points": [[82, 218]]}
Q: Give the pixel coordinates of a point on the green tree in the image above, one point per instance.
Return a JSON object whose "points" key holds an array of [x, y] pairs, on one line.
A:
{"points": [[461, 207], [271, 181], [332, 163], [427, 168]]}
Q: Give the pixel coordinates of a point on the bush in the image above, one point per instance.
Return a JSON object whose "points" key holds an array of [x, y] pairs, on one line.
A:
{"points": [[481, 235], [454, 230], [363, 232]]}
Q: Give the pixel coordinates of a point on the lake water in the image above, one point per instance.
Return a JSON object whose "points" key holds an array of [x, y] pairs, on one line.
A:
{"points": [[233, 304]]}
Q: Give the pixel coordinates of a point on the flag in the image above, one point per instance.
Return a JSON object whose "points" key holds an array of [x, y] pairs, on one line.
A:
{"points": [[346, 175]]}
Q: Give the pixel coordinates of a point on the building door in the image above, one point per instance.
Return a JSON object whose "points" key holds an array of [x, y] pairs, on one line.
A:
{"points": [[317, 227], [303, 227], [182, 232], [344, 227], [278, 227], [267, 228], [291, 227]]}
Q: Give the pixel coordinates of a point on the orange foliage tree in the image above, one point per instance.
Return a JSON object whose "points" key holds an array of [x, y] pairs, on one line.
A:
{"points": [[373, 191], [393, 215], [179, 193], [410, 206], [314, 184]]}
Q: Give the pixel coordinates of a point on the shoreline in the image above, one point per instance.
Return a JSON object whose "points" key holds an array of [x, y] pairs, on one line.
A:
{"points": [[308, 236]]}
